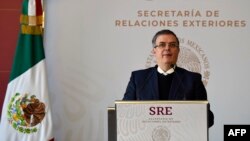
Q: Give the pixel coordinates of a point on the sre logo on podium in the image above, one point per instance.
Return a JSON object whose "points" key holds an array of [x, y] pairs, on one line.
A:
{"points": [[236, 132]]}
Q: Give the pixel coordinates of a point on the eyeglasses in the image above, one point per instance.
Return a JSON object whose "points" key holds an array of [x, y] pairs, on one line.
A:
{"points": [[164, 44]]}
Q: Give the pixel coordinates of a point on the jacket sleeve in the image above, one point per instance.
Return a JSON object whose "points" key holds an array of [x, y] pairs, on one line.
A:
{"points": [[210, 117], [130, 93], [201, 94], [200, 91]]}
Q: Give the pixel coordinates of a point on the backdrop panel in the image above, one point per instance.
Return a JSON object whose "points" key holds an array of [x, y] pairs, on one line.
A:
{"points": [[92, 46]]}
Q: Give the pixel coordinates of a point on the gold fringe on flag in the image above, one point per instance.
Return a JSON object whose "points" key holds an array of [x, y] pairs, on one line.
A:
{"points": [[33, 30]]}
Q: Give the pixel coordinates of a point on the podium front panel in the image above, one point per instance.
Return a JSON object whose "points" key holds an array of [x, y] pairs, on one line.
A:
{"points": [[161, 120]]}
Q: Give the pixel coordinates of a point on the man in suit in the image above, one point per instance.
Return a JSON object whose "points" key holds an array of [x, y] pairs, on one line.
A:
{"points": [[166, 81]]}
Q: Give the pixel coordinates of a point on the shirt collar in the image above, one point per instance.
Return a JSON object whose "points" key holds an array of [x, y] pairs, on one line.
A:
{"points": [[167, 72]]}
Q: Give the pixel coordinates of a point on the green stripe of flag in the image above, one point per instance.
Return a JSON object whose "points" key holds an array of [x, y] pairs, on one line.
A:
{"points": [[29, 52], [25, 7]]}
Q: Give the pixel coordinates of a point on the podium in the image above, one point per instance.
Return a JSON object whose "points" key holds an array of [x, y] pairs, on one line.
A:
{"points": [[158, 121]]}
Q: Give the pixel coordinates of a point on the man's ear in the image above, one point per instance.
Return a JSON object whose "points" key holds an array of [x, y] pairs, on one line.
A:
{"points": [[178, 49]]}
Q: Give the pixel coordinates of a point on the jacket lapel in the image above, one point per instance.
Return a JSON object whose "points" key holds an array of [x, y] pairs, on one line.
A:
{"points": [[154, 83], [149, 89], [176, 85]]}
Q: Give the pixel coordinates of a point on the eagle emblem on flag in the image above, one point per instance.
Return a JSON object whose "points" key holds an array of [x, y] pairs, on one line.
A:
{"points": [[25, 112]]}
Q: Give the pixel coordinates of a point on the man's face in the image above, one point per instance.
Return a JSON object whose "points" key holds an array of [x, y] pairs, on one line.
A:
{"points": [[167, 50]]}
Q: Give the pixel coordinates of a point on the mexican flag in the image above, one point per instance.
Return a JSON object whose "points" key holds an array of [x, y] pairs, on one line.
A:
{"points": [[26, 114]]}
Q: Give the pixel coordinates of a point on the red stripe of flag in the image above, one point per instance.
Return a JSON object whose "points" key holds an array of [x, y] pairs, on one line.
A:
{"points": [[39, 9]]}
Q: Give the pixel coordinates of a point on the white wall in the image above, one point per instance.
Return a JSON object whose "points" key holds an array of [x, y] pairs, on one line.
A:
{"points": [[90, 59]]}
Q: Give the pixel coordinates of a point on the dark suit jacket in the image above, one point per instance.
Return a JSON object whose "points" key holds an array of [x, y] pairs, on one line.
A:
{"points": [[186, 85]]}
